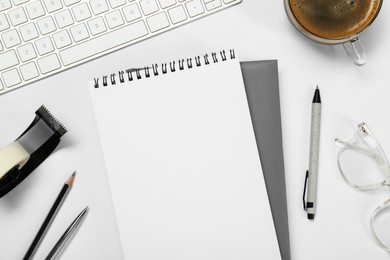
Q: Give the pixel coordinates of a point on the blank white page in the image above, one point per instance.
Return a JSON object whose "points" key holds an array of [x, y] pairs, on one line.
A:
{"points": [[183, 166]]}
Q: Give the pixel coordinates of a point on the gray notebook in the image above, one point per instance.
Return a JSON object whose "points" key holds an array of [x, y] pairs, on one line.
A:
{"points": [[262, 88]]}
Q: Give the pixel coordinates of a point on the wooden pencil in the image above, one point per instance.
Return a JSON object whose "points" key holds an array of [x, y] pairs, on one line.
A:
{"points": [[57, 203]]}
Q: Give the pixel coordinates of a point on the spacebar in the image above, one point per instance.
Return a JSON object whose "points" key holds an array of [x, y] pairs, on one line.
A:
{"points": [[103, 43]]}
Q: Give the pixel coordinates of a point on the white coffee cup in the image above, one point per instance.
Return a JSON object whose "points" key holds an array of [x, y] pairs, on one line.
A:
{"points": [[323, 11]]}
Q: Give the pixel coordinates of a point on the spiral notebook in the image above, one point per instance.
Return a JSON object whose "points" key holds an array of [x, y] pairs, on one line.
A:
{"points": [[182, 161]]}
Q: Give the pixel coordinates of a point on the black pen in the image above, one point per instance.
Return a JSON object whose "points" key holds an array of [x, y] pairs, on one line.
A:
{"points": [[68, 232], [312, 173]]}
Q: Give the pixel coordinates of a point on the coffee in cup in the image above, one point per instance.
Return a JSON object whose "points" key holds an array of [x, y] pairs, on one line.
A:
{"points": [[334, 21]]}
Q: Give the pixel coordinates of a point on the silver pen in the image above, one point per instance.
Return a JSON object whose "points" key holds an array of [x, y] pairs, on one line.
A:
{"points": [[68, 232], [312, 173]]}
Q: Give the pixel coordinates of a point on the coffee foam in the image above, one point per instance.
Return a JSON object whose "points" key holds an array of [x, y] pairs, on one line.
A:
{"points": [[334, 19]]}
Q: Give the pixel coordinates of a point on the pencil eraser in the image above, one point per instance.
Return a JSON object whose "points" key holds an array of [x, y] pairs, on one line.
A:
{"points": [[12, 155]]}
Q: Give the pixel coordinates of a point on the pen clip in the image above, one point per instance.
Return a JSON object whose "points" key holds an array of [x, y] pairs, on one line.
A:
{"points": [[304, 190]]}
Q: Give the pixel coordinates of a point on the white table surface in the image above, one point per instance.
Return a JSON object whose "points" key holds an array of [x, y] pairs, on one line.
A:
{"points": [[257, 29]]}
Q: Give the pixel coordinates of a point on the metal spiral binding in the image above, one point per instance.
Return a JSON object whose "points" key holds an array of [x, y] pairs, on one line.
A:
{"points": [[155, 69], [206, 59], [121, 78], [197, 60], [135, 73], [112, 77], [181, 64], [189, 63], [147, 72], [164, 68], [214, 55], [172, 66]]}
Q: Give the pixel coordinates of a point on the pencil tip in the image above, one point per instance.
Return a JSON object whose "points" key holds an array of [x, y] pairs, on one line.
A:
{"points": [[71, 179]]}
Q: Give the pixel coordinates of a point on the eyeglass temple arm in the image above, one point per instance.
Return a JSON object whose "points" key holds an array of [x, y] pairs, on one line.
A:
{"points": [[344, 145]]}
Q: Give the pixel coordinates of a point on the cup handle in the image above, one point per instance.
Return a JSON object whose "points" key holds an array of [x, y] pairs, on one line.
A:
{"points": [[355, 51]]}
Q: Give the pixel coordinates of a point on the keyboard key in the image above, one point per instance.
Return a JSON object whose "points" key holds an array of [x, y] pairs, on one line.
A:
{"points": [[27, 52], [98, 6], [29, 71], [116, 3], [11, 78], [35, 9], [19, 2], [28, 32], [81, 12], [49, 63], [148, 6], [64, 18], [11, 38], [157, 22], [8, 59], [70, 2], [46, 25], [177, 14], [52, 5], [131, 12], [114, 19], [79, 32], [166, 3], [3, 22], [194, 8], [103, 43], [210, 5], [1, 47], [97, 25], [1, 86], [4, 5], [62, 39], [17, 16], [44, 45], [228, 1]]}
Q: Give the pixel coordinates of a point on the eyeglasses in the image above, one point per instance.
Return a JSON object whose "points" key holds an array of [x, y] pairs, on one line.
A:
{"points": [[364, 165]]}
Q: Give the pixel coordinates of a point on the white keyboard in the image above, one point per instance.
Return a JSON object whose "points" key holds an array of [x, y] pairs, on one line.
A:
{"points": [[39, 38]]}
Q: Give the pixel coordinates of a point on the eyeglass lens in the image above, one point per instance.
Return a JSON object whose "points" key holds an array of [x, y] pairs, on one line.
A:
{"points": [[380, 225]]}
